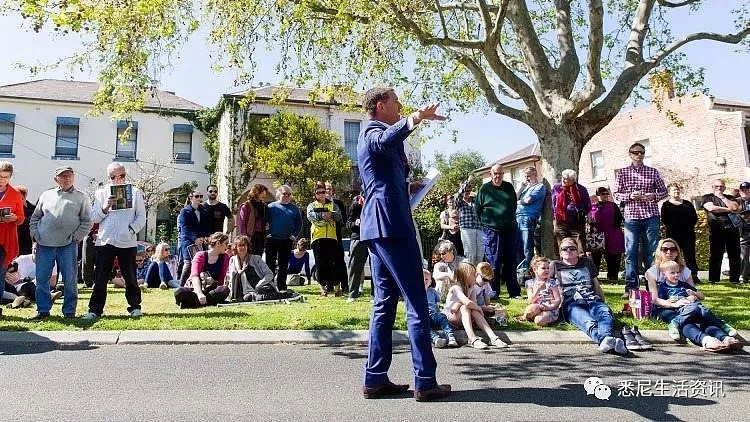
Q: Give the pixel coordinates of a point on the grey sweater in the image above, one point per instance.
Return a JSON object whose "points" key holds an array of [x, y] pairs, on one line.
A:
{"points": [[60, 218]]}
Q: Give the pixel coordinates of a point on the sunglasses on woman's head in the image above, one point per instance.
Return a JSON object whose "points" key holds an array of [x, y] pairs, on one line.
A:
{"points": [[666, 249]]}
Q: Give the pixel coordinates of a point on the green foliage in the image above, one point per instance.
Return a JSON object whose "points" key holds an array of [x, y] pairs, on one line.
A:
{"points": [[297, 151], [207, 121], [454, 170]]}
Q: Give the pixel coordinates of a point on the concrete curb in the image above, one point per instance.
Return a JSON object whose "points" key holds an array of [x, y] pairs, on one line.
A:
{"points": [[656, 337]]}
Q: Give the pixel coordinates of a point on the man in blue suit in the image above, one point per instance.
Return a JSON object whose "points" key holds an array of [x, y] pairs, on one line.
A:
{"points": [[386, 226]]}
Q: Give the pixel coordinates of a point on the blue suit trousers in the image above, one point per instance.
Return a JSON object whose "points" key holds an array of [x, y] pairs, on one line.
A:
{"points": [[396, 269]]}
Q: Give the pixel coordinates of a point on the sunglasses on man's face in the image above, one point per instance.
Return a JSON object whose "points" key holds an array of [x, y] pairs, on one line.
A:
{"points": [[569, 248], [636, 152], [213, 191]]}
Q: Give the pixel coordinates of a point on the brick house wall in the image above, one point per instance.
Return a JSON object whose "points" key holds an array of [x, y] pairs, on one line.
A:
{"points": [[711, 144]]}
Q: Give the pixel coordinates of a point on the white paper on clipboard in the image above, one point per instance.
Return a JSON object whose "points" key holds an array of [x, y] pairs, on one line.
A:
{"points": [[432, 177]]}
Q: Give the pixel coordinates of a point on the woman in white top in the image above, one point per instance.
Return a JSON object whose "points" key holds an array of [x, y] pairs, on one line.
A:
{"points": [[443, 270]]}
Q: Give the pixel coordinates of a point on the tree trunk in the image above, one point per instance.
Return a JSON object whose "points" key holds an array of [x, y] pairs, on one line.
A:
{"points": [[563, 148]]}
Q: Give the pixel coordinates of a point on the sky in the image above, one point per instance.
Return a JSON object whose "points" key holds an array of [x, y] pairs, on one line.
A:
{"points": [[491, 134]]}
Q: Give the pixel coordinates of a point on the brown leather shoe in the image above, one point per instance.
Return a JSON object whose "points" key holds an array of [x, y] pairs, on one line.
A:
{"points": [[439, 392], [386, 390]]}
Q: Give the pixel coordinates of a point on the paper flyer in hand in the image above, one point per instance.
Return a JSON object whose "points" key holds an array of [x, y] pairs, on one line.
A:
{"points": [[432, 177]]}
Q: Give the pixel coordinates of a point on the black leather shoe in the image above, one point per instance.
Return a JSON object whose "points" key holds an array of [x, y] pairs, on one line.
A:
{"points": [[389, 389], [439, 392]]}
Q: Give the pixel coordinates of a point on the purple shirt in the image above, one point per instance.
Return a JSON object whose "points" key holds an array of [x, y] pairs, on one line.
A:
{"points": [[645, 179]]}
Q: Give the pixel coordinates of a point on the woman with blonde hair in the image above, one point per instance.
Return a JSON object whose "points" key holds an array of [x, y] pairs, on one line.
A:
{"points": [[667, 250]]}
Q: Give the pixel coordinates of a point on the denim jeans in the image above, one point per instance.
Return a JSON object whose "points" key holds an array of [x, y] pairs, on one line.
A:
{"points": [[526, 229], [439, 319], [634, 230], [473, 246], [695, 321], [594, 319], [66, 258], [499, 249]]}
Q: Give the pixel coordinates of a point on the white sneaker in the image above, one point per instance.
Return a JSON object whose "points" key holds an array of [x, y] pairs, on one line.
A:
{"points": [[620, 347], [90, 317], [477, 343], [351, 299], [607, 344], [163, 286], [136, 313], [499, 343]]}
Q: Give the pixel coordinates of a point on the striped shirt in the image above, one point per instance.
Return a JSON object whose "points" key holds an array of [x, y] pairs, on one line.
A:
{"points": [[644, 179]]}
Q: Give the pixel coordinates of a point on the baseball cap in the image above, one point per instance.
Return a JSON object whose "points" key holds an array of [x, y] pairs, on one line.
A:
{"points": [[62, 169], [745, 185]]}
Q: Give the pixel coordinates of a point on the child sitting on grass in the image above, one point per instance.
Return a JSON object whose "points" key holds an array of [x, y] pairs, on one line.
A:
{"points": [[482, 293], [437, 318], [678, 303], [543, 293], [462, 311]]}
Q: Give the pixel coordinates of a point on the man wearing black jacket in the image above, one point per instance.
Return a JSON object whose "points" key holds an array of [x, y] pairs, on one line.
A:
{"points": [[340, 264], [357, 251]]}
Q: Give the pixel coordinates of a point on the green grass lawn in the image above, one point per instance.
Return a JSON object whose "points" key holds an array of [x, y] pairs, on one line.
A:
{"points": [[160, 313]]}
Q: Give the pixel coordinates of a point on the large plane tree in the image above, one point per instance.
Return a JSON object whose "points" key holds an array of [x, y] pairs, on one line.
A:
{"points": [[563, 67]]}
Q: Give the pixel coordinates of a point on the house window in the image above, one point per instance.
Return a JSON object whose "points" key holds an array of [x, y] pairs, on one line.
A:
{"points": [[125, 147], [517, 176], [182, 143], [7, 127], [597, 166], [351, 135], [66, 141]]}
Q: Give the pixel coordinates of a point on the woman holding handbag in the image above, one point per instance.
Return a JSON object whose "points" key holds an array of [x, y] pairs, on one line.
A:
{"points": [[606, 218]]}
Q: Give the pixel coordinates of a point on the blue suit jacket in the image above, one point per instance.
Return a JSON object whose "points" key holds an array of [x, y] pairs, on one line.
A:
{"points": [[189, 226], [384, 170]]}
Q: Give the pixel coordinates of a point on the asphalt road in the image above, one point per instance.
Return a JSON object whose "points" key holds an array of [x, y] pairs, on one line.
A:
{"points": [[287, 382]]}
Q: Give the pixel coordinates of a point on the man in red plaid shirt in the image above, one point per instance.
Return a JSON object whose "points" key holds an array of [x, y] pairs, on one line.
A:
{"points": [[639, 188]]}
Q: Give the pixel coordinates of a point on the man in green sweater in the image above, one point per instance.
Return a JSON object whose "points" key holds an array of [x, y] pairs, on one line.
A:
{"points": [[495, 205]]}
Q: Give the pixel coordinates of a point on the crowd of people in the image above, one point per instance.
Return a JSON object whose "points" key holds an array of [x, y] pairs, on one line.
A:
{"points": [[65, 238], [490, 237]]}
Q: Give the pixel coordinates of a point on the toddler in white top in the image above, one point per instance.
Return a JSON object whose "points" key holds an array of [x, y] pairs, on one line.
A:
{"points": [[543, 293]]}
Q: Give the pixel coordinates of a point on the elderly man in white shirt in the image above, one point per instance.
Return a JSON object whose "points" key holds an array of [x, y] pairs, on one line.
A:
{"points": [[121, 213]]}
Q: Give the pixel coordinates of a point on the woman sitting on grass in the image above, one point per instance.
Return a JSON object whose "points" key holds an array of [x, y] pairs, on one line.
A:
{"points": [[462, 311], [443, 270], [205, 286], [248, 272], [666, 250], [678, 303], [158, 273]]}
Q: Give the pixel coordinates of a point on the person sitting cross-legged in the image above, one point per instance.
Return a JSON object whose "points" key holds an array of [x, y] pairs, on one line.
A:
{"points": [[205, 286]]}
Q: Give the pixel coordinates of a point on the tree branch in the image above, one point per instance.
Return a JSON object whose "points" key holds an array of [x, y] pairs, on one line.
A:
{"points": [[568, 70], [665, 3], [486, 87], [426, 38], [725, 38], [638, 30], [493, 35], [594, 87], [528, 40], [484, 12]]}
